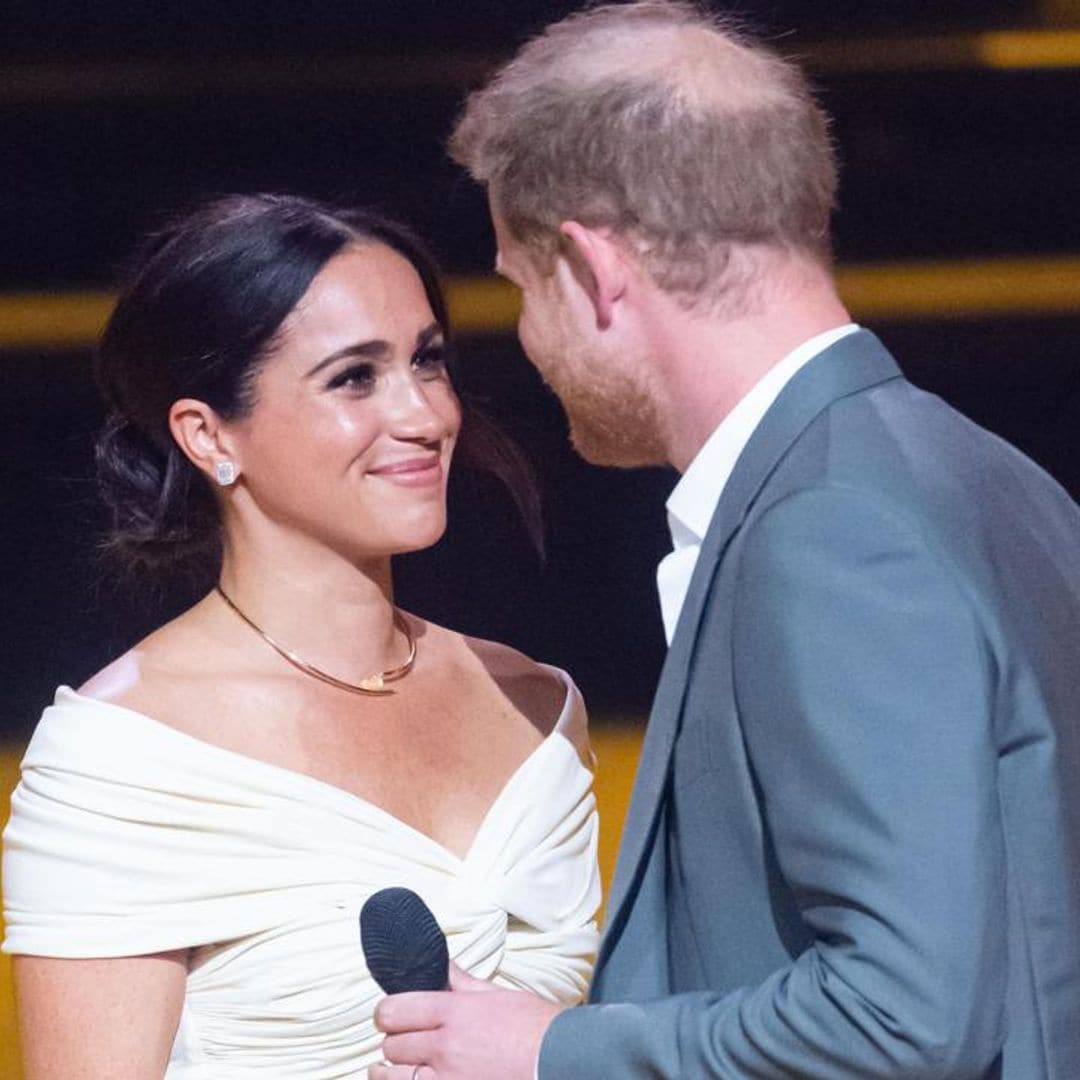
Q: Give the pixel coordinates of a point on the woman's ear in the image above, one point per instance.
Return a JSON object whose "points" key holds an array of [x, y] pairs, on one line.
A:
{"points": [[599, 263], [204, 440]]}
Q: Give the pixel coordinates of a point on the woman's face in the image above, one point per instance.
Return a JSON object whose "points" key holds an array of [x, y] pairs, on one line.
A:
{"points": [[350, 438]]}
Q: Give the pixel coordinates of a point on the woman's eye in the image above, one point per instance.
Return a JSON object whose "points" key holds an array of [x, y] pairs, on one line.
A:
{"points": [[360, 379], [431, 359]]}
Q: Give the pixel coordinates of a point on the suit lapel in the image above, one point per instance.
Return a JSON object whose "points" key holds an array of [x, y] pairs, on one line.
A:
{"points": [[852, 364]]}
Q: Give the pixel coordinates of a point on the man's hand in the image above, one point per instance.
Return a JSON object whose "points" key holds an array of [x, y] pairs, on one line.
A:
{"points": [[475, 1032]]}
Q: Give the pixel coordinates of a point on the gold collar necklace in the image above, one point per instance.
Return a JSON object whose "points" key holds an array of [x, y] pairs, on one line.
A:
{"points": [[373, 684]]}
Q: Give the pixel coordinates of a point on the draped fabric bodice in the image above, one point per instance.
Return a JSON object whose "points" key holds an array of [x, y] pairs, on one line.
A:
{"points": [[128, 837]]}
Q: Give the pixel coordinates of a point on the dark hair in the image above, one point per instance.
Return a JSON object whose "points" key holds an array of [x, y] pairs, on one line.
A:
{"points": [[199, 312]]}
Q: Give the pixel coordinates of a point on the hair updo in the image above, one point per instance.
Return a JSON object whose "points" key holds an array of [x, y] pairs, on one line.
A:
{"points": [[197, 316]]}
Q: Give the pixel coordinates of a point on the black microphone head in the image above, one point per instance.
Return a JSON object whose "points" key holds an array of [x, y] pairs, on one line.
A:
{"points": [[404, 948]]}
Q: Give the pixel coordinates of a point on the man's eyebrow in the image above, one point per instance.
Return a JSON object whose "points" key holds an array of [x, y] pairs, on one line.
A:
{"points": [[372, 350]]}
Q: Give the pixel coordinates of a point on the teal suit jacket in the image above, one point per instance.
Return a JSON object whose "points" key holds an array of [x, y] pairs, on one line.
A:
{"points": [[853, 848]]}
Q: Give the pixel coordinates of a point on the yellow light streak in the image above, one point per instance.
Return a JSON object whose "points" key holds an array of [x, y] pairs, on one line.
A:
{"points": [[1002, 50], [1029, 49], [293, 76], [963, 288], [52, 320], [358, 73], [903, 292]]}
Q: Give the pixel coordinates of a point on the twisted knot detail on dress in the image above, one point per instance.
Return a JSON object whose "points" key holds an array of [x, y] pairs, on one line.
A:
{"points": [[129, 837]]}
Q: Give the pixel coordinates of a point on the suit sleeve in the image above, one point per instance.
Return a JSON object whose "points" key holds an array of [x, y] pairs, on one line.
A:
{"points": [[865, 689]]}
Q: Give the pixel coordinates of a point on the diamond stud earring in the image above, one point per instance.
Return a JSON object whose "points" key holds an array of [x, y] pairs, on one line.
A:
{"points": [[225, 473]]}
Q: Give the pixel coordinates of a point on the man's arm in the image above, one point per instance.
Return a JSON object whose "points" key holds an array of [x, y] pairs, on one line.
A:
{"points": [[865, 692]]}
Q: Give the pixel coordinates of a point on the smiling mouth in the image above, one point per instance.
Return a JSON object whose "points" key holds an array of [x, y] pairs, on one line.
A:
{"points": [[415, 472]]}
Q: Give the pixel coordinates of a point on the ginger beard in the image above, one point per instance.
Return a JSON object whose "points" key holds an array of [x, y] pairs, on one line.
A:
{"points": [[612, 413], [605, 389], [607, 394]]}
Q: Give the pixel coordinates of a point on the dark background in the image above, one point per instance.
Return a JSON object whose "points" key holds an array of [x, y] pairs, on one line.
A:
{"points": [[113, 114]]}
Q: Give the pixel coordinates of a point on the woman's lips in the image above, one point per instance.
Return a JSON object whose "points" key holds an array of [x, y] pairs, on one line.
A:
{"points": [[414, 472]]}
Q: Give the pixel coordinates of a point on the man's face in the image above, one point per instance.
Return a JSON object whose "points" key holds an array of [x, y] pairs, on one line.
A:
{"points": [[601, 376]]}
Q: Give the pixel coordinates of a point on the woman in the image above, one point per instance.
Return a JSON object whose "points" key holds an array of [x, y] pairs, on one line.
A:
{"points": [[198, 826]]}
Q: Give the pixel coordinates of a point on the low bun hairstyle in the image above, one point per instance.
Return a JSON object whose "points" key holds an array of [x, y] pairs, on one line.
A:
{"points": [[198, 313]]}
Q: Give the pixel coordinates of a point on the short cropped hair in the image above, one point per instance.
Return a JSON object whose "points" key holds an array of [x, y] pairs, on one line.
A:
{"points": [[660, 122]]}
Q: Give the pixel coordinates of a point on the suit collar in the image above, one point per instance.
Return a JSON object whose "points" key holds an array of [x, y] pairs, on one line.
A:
{"points": [[692, 503], [853, 364]]}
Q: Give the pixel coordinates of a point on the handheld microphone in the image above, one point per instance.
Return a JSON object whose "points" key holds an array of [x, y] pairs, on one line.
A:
{"points": [[404, 948]]}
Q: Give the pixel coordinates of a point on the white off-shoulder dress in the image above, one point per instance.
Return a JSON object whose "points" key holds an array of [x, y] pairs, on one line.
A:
{"points": [[128, 837]]}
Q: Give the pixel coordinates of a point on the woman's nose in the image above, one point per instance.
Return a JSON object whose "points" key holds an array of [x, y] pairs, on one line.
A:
{"points": [[413, 413]]}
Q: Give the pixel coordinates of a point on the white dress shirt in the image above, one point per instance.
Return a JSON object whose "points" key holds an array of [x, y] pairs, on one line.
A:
{"points": [[691, 505]]}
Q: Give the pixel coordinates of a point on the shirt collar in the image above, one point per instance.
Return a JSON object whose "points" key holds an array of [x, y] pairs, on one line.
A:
{"points": [[691, 504]]}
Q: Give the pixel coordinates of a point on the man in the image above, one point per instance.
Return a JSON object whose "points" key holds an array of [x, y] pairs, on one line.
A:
{"points": [[852, 849]]}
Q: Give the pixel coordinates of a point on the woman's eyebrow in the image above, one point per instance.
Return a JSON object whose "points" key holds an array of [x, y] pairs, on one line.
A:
{"points": [[372, 350], [429, 332], [375, 349]]}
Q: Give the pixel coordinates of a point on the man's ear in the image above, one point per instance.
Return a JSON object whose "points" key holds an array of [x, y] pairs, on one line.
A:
{"points": [[599, 263], [204, 440]]}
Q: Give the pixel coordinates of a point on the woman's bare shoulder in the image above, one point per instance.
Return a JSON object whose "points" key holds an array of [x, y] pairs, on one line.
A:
{"points": [[159, 675], [535, 690], [114, 683]]}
